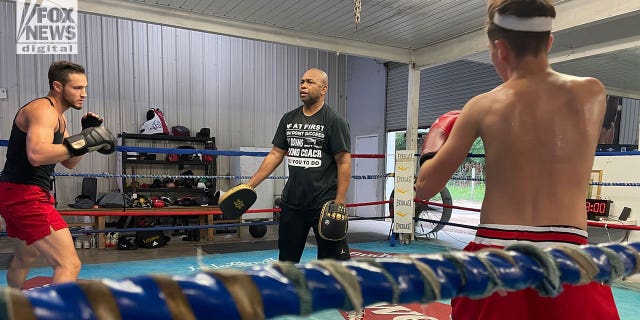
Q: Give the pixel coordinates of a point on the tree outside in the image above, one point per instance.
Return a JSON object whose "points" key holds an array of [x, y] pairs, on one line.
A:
{"points": [[462, 186]]}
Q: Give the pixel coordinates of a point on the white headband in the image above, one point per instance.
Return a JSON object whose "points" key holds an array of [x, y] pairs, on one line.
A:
{"points": [[532, 24]]}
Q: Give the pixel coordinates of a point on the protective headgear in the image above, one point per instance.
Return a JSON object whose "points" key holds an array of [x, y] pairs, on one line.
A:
{"points": [[187, 182], [165, 181], [157, 183], [187, 156], [172, 157], [207, 158], [186, 201], [201, 201], [155, 123], [204, 133], [180, 131], [334, 221], [181, 158]]}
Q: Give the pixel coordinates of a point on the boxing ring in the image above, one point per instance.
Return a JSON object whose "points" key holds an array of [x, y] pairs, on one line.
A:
{"points": [[287, 289], [278, 289]]}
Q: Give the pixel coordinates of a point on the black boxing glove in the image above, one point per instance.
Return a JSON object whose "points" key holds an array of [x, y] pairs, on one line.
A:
{"points": [[91, 139], [109, 146], [90, 120]]}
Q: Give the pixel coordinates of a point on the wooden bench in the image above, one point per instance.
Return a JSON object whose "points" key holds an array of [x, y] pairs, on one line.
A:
{"points": [[205, 217]]}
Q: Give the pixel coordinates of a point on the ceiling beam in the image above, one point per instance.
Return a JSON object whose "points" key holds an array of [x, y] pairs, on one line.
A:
{"points": [[206, 23], [570, 14], [596, 49], [625, 93]]}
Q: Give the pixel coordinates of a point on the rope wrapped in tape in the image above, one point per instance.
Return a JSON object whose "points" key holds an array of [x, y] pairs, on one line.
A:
{"points": [[162, 176], [286, 289]]}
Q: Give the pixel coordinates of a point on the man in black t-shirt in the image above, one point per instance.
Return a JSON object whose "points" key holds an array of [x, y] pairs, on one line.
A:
{"points": [[317, 143]]}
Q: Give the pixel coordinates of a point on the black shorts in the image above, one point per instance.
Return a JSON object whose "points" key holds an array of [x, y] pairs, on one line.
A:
{"points": [[292, 237]]}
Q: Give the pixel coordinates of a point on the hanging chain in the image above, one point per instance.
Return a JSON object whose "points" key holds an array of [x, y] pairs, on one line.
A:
{"points": [[357, 8]]}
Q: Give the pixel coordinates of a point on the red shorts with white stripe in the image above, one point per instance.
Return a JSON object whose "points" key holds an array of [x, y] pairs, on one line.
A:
{"points": [[591, 301]]}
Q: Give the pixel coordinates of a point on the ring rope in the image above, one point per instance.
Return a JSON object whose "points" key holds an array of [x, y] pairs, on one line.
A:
{"points": [[159, 212], [589, 223], [222, 152], [355, 177], [439, 204], [158, 176], [263, 154], [192, 227], [4, 143], [449, 223], [594, 183], [286, 289], [597, 154]]}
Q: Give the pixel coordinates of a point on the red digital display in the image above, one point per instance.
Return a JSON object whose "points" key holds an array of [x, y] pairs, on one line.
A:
{"points": [[599, 207]]}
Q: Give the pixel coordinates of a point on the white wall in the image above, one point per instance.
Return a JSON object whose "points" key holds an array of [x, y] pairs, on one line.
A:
{"points": [[621, 169], [366, 84], [267, 191]]}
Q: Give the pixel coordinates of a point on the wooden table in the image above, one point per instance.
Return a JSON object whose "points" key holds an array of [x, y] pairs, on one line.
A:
{"points": [[205, 217]]}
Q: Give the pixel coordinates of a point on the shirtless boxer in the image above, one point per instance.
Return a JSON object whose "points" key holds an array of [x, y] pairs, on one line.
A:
{"points": [[540, 129]]}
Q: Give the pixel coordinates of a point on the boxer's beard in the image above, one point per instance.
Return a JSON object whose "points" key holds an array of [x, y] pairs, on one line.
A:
{"points": [[68, 103], [310, 100]]}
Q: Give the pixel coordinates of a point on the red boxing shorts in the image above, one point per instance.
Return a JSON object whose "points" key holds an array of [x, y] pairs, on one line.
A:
{"points": [[591, 301], [28, 211]]}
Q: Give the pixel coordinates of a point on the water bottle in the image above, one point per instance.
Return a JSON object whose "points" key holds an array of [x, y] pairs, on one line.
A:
{"points": [[392, 239], [93, 241], [78, 243], [114, 239], [109, 240]]}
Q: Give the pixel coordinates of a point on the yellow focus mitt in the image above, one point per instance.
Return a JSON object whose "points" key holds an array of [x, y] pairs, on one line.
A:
{"points": [[236, 201]]}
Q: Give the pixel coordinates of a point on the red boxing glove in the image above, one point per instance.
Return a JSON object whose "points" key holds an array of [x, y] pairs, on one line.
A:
{"points": [[437, 135]]}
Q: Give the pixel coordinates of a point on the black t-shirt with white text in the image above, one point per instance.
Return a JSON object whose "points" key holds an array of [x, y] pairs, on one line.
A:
{"points": [[311, 143]]}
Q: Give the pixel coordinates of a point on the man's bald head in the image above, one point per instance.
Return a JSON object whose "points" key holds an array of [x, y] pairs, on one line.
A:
{"points": [[313, 87], [317, 74]]}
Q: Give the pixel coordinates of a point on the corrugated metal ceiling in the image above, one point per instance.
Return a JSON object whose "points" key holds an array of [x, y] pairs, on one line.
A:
{"points": [[388, 25], [622, 69], [617, 69], [402, 24]]}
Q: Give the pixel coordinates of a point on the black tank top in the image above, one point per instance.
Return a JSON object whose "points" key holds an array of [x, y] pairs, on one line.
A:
{"points": [[17, 168]]}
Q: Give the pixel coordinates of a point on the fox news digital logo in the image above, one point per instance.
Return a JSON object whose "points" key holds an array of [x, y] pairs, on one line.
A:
{"points": [[47, 26]]}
